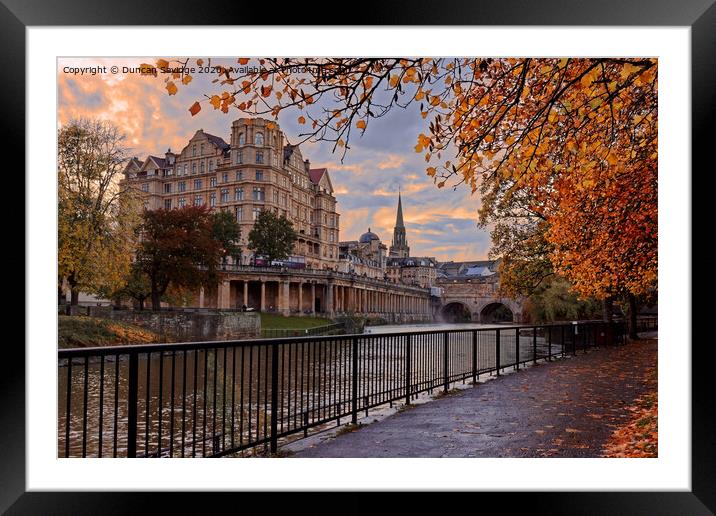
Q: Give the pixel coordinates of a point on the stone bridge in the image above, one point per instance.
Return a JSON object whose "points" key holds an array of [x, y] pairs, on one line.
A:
{"points": [[477, 300]]}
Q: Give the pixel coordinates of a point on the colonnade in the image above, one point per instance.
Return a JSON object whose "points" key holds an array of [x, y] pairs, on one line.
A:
{"points": [[305, 296]]}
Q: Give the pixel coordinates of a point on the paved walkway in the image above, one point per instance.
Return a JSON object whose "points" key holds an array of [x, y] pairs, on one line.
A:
{"points": [[567, 408]]}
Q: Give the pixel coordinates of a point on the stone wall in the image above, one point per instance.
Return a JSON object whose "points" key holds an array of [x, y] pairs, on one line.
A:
{"points": [[187, 326]]}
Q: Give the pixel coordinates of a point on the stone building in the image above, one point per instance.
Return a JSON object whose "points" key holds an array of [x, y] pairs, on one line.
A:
{"points": [[421, 271], [364, 257], [257, 169]]}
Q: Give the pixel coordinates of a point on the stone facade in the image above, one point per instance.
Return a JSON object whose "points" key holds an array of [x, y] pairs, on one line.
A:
{"points": [[255, 170]]}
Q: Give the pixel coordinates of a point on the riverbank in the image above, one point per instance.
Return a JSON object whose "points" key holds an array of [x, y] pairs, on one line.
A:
{"points": [[78, 331]]}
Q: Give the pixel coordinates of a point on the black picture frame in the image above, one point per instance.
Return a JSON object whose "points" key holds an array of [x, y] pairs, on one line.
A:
{"points": [[700, 15]]}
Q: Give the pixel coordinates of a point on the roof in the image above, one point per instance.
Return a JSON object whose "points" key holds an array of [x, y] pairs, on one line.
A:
{"points": [[478, 271], [158, 161], [315, 174], [218, 141], [368, 236]]}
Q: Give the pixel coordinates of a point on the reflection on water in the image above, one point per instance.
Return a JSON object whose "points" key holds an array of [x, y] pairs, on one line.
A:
{"points": [[208, 402]]}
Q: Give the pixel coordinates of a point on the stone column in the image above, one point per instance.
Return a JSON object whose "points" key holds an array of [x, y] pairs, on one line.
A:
{"points": [[246, 293], [224, 293], [285, 298], [300, 297], [313, 300], [263, 295], [327, 301]]}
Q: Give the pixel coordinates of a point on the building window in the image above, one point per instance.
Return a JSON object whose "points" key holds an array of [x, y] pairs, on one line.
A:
{"points": [[239, 175], [193, 168], [201, 166], [212, 182], [211, 165], [182, 202], [197, 184], [168, 188], [181, 186], [145, 187], [259, 175], [202, 149], [239, 157], [259, 157], [186, 169], [225, 177], [193, 150], [167, 204], [198, 200], [212, 199], [239, 213], [258, 193], [255, 213], [275, 196], [259, 139], [224, 195], [238, 194], [242, 139]]}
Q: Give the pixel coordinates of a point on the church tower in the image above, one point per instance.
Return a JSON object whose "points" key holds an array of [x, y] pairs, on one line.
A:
{"points": [[400, 248]]}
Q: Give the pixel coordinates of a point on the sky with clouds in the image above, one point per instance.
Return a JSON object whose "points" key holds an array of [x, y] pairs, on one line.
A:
{"points": [[439, 222]]}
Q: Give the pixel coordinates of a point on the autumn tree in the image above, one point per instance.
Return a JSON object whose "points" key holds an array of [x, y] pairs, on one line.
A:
{"points": [[570, 145], [272, 236], [178, 249], [96, 215], [136, 286], [227, 232]]}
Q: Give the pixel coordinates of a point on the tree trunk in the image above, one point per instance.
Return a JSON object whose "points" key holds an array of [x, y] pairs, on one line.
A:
{"points": [[61, 299], [156, 300], [608, 309], [141, 304], [632, 317], [74, 292]]}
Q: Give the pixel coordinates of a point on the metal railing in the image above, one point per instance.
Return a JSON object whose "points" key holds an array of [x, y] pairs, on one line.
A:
{"points": [[218, 398], [327, 329]]}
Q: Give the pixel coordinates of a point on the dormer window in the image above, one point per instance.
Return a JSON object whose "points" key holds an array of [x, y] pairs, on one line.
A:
{"points": [[259, 139], [193, 150]]}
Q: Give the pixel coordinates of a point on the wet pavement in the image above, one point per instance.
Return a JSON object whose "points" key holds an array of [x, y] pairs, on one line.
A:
{"points": [[566, 408]]}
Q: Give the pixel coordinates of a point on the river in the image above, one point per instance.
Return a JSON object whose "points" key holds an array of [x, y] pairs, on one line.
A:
{"points": [[207, 402]]}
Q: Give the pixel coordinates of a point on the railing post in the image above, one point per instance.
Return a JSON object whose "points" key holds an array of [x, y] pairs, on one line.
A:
{"points": [[446, 379], [132, 397], [573, 330], [564, 343], [474, 356], [534, 345], [274, 397], [407, 369], [517, 348], [497, 351], [354, 382]]}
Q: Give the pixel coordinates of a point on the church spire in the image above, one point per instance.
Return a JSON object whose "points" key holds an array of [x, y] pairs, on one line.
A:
{"points": [[399, 218], [400, 247]]}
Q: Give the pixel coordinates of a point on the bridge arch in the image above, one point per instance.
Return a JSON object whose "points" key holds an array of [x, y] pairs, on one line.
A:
{"points": [[455, 312], [497, 311]]}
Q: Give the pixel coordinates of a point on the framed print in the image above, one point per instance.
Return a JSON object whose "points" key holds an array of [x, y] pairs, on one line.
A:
{"points": [[341, 262]]}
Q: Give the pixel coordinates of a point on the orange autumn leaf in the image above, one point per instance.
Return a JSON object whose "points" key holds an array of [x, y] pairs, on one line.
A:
{"points": [[195, 108]]}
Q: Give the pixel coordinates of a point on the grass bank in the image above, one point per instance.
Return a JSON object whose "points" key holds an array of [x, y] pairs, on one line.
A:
{"points": [[84, 332], [274, 321]]}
